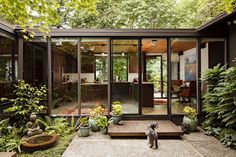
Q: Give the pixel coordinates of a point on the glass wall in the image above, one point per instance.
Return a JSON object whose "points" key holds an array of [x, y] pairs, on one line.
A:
{"points": [[154, 84], [8, 66], [183, 74], [93, 61], [124, 81], [94, 73], [64, 76], [35, 63], [35, 69]]}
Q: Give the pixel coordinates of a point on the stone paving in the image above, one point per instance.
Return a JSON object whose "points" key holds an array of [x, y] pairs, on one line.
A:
{"points": [[191, 145]]}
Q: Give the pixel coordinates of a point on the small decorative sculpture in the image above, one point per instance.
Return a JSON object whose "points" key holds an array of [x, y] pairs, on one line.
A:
{"points": [[32, 126], [152, 135], [185, 128]]}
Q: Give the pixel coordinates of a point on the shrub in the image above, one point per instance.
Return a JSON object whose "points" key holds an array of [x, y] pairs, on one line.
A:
{"points": [[220, 104], [27, 100]]}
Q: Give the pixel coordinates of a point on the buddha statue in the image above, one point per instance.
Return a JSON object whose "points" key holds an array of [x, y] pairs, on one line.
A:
{"points": [[33, 126]]}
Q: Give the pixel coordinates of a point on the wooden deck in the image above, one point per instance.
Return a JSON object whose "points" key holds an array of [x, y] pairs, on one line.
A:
{"points": [[138, 127]]}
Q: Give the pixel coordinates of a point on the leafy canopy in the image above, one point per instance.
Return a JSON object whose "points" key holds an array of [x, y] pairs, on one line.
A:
{"points": [[112, 13], [41, 13]]}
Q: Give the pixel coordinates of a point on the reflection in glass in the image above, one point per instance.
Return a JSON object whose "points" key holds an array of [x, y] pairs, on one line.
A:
{"points": [[64, 76], [125, 86], [94, 73], [183, 74], [35, 62], [154, 86], [8, 67]]}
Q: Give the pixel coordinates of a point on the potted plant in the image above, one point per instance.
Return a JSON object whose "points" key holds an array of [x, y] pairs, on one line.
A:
{"points": [[103, 123], [84, 126], [95, 113], [117, 111], [190, 117]]}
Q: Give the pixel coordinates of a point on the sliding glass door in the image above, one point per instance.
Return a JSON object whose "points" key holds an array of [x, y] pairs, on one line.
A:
{"points": [[93, 73], [154, 82], [125, 74]]}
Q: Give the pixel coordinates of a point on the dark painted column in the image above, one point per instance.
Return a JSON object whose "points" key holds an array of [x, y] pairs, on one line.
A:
{"points": [[79, 79], [226, 52], [109, 76], [20, 58], [140, 73], [49, 59], [198, 81], [169, 77]]}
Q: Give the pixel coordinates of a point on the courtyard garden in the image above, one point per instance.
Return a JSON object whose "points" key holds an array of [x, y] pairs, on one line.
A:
{"points": [[111, 78]]}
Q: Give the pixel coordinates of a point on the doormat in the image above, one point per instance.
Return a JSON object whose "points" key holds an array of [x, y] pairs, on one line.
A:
{"points": [[160, 101]]}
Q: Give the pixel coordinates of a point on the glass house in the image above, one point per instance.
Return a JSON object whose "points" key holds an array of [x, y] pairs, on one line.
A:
{"points": [[154, 73]]}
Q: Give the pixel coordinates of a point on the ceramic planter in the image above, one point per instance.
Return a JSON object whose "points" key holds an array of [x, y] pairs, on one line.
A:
{"points": [[116, 119], [104, 131], [84, 131], [94, 125], [192, 123]]}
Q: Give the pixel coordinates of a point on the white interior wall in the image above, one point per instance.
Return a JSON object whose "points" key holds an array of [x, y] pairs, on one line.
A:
{"points": [[187, 53], [89, 76], [174, 68], [204, 59]]}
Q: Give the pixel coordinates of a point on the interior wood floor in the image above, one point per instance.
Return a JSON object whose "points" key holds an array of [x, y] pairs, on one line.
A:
{"points": [[129, 108]]}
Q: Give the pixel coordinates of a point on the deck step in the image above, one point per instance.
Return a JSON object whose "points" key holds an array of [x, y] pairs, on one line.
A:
{"points": [[134, 128]]}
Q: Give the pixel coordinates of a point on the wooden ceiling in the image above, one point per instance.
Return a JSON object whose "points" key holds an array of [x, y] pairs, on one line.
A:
{"points": [[131, 46]]}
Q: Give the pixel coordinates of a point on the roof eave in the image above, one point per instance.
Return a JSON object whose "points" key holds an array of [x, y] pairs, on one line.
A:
{"points": [[7, 27], [117, 32], [215, 20]]}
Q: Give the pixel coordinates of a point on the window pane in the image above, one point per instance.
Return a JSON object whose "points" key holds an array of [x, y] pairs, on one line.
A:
{"points": [[8, 67], [125, 87], [94, 73], [183, 74], [154, 86], [64, 76]]}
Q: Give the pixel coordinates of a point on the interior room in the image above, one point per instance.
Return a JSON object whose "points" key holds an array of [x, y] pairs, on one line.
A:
{"points": [[125, 73]]}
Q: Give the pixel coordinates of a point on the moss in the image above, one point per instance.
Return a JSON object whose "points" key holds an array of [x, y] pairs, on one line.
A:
{"points": [[56, 151]]}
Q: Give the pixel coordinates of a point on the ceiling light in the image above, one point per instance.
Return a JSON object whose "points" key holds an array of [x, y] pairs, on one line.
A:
{"points": [[234, 21], [154, 43]]}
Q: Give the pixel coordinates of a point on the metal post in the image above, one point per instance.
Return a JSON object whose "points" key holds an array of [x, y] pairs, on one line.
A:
{"points": [[79, 79], [169, 77], [20, 58], [109, 75], [49, 57], [140, 73], [198, 82], [226, 51]]}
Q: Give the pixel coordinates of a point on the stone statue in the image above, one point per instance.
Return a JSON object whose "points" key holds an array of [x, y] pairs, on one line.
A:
{"points": [[32, 126], [152, 135]]}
